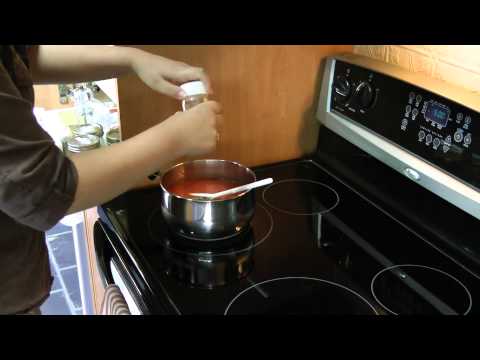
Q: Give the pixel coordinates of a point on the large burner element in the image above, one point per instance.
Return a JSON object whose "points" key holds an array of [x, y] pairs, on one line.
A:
{"points": [[299, 295], [417, 289], [212, 263]]}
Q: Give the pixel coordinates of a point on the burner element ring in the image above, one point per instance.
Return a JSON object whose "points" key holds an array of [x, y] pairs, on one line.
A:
{"points": [[404, 276], [257, 287], [331, 191]]}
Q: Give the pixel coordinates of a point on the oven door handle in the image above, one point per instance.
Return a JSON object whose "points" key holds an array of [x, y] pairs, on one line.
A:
{"points": [[104, 254]]}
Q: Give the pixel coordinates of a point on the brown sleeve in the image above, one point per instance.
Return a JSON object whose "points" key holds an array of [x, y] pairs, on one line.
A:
{"points": [[37, 182]]}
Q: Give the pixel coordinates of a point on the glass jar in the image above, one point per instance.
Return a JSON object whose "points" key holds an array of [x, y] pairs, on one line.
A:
{"points": [[87, 129], [195, 94], [113, 135], [80, 143]]}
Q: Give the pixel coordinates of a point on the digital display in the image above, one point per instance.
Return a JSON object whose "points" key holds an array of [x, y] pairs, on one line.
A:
{"points": [[437, 113]]}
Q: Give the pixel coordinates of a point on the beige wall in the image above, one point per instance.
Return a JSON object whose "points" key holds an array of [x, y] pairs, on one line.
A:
{"points": [[456, 64]]}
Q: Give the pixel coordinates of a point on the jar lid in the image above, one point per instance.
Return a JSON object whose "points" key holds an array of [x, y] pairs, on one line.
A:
{"points": [[83, 142], [194, 88], [88, 129], [113, 135]]}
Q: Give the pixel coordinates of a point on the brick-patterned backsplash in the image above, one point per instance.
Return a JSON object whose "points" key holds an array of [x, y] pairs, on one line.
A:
{"points": [[456, 64]]}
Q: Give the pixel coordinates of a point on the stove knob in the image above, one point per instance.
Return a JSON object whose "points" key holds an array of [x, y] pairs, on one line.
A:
{"points": [[364, 95], [342, 88]]}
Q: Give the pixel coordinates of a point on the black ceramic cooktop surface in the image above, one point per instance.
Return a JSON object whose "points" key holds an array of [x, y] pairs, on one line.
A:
{"points": [[314, 247]]}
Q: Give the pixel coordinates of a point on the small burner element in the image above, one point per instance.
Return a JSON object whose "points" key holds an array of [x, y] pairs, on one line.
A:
{"points": [[299, 295], [417, 289], [209, 264], [301, 197]]}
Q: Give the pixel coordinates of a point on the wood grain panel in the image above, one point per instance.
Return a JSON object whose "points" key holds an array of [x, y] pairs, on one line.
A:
{"points": [[268, 94], [98, 290], [48, 97]]}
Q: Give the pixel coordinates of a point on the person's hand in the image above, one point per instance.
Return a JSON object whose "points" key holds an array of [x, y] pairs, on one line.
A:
{"points": [[194, 132], [164, 75]]}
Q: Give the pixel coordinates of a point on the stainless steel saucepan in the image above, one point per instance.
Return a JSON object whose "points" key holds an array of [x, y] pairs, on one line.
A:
{"points": [[200, 218]]}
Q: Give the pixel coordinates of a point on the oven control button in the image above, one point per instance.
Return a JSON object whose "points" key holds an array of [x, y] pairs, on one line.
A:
{"points": [[468, 120], [429, 139], [446, 148], [436, 143], [411, 97], [458, 136], [414, 113], [459, 117], [424, 107], [468, 139], [421, 135], [418, 100], [448, 140], [408, 108]]}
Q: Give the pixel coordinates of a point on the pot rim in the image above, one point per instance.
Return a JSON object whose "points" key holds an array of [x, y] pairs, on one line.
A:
{"points": [[250, 171]]}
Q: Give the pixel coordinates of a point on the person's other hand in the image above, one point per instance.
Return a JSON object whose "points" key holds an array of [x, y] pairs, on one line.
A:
{"points": [[195, 131], [165, 75]]}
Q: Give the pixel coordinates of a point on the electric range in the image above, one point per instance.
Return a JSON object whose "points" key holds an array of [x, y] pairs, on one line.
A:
{"points": [[346, 230]]}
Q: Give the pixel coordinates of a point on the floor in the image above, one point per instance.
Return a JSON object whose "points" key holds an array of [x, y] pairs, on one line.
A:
{"points": [[65, 294]]}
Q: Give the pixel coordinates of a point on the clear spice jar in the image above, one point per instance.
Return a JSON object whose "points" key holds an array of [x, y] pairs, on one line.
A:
{"points": [[195, 94]]}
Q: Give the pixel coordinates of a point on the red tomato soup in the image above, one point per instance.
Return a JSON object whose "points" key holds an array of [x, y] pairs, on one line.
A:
{"points": [[185, 188]]}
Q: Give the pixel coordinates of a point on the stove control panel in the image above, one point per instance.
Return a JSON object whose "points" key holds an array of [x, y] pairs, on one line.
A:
{"points": [[439, 130]]}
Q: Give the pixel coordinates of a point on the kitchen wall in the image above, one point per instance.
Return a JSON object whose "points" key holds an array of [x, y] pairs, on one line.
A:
{"points": [[456, 64], [268, 94]]}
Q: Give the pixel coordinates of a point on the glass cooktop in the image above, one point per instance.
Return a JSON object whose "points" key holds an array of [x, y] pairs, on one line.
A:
{"points": [[314, 246]]}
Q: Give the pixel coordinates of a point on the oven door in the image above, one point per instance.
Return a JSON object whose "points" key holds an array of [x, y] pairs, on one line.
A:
{"points": [[113, 271]]}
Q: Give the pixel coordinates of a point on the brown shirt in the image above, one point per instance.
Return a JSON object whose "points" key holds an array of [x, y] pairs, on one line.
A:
{"points": [[37, 187]]}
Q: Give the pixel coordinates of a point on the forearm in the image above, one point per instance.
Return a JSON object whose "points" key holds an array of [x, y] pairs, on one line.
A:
{"points": [[79, 63], [107, 172]]}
